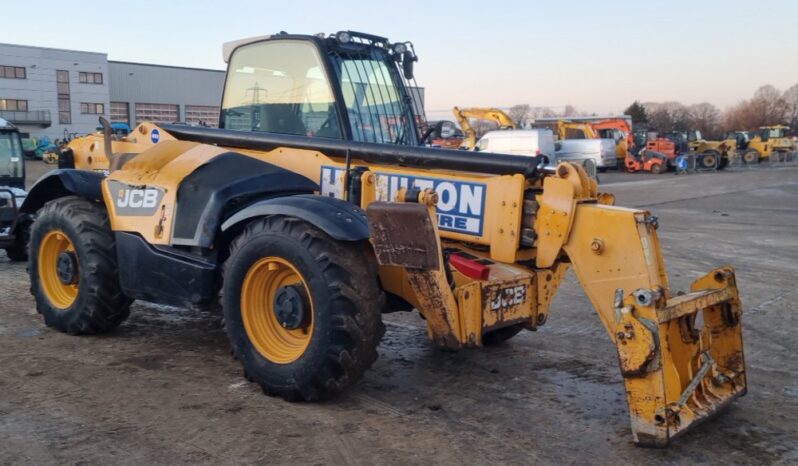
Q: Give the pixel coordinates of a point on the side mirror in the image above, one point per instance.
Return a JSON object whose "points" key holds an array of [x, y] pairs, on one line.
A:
{"points": [[407, 64]]}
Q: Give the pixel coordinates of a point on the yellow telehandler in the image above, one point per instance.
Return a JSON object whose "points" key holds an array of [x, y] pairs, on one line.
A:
{"points": [[315, 208]]}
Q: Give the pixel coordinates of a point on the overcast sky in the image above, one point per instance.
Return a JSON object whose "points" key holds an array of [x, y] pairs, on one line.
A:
{"points": [[598, 56]]}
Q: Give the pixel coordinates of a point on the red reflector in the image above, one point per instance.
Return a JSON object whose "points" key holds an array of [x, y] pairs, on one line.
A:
{"points": [[469, 267]]}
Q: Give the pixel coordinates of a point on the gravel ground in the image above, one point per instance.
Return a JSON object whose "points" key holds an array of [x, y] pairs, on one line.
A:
{"points": [[163, 389]]}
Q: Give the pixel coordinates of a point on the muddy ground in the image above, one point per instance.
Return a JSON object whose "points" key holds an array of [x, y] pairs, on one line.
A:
{"points": [[163, 389]]}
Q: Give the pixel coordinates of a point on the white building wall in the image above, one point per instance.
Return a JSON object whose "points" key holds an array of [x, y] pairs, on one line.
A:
{"points": [[39, 87]]}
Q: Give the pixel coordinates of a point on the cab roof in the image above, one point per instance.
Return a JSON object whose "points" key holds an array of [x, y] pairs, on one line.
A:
{"points": [[6, 125]]}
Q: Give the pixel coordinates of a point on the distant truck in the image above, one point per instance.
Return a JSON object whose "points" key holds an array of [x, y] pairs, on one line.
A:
{"points": [[534, 142], [518, 142], [601, 151]]}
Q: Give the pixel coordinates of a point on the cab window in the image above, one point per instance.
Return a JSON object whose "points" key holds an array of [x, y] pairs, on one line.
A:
{"points": [[279, 87]]}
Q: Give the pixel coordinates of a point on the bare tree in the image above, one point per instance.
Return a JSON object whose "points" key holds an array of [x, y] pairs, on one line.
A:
{"points": [[790, 98], [668, 116], [705, 117], [569, 111], [483, 126], [520, 114], [768, 105], [546, 112]]}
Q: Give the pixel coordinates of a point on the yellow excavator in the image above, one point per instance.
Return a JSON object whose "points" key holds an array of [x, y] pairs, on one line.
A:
{"points": [[572, 130], [462, 116], [311, 211]]}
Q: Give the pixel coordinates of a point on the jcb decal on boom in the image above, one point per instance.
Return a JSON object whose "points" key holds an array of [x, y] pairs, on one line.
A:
{"points": [[461, 204], [135, 200]]}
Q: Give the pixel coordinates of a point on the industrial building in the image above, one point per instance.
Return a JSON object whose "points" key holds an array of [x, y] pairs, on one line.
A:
{"points": [[59, 93]]}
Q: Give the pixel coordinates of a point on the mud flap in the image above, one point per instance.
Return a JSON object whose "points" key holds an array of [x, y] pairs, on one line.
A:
{"points": [[687, 364], [405, 235]]}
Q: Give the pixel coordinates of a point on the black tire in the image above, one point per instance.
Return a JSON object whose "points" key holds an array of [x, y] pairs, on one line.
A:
{"points": [[100, 305], [499, 336], [656, 168], [751, 157], [708, 160], [345, 295]]}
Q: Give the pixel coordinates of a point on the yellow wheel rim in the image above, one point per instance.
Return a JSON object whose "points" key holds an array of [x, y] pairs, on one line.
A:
{"points": [[261, 284], [61, 295]]}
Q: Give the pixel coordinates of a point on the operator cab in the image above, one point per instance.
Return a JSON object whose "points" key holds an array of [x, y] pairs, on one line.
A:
{"points": [[772, 132], [12, 162], [350, 86]]}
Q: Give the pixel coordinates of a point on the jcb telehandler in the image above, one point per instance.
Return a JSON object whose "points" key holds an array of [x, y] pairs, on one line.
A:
{"points": [[314, 209]]}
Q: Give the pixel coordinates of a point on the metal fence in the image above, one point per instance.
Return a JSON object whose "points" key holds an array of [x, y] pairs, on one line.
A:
{"points": [[696, 163], [788, 159]]}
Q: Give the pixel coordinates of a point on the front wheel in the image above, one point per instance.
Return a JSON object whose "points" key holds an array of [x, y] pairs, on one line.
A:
{"points": [[302, 310], [709, 160], [73, 269], [656, 168], [751, 157]]}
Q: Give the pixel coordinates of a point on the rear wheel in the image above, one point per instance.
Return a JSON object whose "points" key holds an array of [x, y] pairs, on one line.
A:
{"points": [[656, 168], [751, 157], [73, 269], [302, 311]]}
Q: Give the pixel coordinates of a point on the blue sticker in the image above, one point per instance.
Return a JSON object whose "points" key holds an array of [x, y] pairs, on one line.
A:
{"points": [[461, 204], [155, 136]]}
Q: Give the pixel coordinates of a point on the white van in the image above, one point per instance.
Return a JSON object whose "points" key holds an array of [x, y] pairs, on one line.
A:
{"points": [[532, 142], [518, 142]]}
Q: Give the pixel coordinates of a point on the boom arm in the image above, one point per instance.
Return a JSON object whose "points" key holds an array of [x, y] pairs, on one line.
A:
{"points": [[492, 114], [678, 369], [619, 124], [563, 127]]}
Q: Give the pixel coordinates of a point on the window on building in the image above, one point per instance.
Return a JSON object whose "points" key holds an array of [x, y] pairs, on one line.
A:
{"points": [[90, 78], [64, 105], [204, 115], [92, 109], [14, 105], [12, 72], [120, 112], [158, 113]]}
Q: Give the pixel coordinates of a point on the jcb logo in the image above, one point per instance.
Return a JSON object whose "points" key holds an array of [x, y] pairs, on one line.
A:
{"points": [[138, 198], [508, 297], [130, 200]]}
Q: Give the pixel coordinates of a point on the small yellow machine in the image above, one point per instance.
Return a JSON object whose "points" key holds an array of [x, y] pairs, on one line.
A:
{"points": [[769, 142], [462, 116], [315, 208]]}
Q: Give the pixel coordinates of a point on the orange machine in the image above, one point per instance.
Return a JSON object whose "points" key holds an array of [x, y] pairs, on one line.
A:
{"points": [[610, 128], [647, 160]]}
